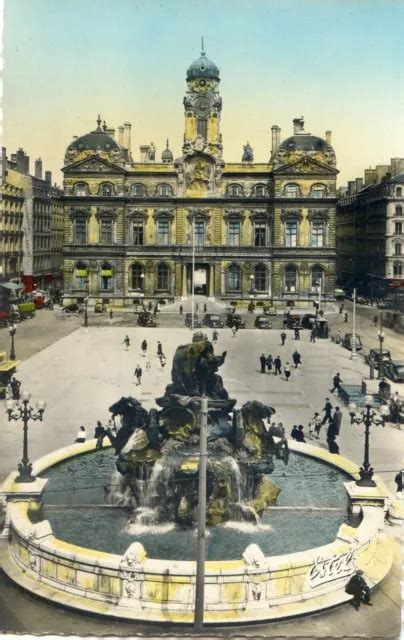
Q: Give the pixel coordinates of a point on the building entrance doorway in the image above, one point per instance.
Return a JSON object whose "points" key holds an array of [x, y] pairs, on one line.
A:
{"points": [[201, 281]]}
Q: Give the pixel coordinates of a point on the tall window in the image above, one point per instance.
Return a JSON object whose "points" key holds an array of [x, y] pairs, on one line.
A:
{"points": [[290, 279], [397, 249], [260, 233], [163, 277], [137, 277], [234, 233], [291, 191], [260, 190], [202, 128], [317, 280], [106, 231], [318, 234], [399, 210], [233, 278], [399, 192], [80, 189], [106, 277], [163, 190], [107, 190], [318, 191], [138, 233], [163, 232], [397, 269], [81, 273], [260, 278], [80, 230], [138, 190], [199, 233], [291, 234], [398, 227], [234, 190]]}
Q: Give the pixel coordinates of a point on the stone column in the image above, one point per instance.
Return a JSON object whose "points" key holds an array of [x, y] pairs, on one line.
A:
{"points": [[184, 293], [211, 281]]}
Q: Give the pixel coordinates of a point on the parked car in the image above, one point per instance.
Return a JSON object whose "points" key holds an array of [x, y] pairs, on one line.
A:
{"points": [[234, 319], [212, 320], [347, 342], [262, 322], [292, 322], [270, 311], [99, 307], [145, 319], [394, 369], [197, 320], [26, 310], [374, 354], [73, 307], [308, 321], [339, 294]]}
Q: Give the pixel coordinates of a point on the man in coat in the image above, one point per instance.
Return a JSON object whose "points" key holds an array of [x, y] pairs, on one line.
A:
{"points": [[358, 588], [263, 362], [278, 365]]}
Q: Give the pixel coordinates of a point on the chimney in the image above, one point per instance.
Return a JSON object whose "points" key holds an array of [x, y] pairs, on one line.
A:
{"points": [[38, 168], [328, 137], [351, 187], [145, 153], [358, 184], [48, 177], [110, 132], [276, 137], [298, 125], [120, 135], [22, 162], [127, 126]]}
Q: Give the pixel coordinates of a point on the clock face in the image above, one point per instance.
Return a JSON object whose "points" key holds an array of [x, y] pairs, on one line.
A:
{"points": [[202, 107]]}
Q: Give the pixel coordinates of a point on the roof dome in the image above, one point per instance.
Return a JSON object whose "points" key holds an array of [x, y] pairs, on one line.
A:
{"points": [[304, 142], [203, 68], [95, 140], [167, 155]]}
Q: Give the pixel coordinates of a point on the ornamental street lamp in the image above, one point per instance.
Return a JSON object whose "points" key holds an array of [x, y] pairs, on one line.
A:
{"points": [[367, 416], [353, 349], [13, 330], [25, 412], [381, 338], [251, 285]]}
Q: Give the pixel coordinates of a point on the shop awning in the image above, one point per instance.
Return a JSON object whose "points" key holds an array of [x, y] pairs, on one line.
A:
{"points": [[13, 286], [106, 273]]}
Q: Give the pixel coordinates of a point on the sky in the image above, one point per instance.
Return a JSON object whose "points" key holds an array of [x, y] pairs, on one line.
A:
{"points": [[338, 63]]}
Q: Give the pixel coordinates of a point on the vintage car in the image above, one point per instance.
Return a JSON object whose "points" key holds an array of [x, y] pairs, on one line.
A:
{"points": [[212, 320], [270, 311], [394, 369], [348, 342], [292, 321], [188, 320], [7, 370], [145, 319], [374, 355], [234, 319], [262, 322], [99, 307], [73, 307]]}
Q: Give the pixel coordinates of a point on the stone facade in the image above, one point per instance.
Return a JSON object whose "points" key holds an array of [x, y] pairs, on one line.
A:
{"points": [[11, 234], [262, 230]]}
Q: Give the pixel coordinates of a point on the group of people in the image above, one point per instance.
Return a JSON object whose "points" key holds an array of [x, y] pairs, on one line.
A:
{"points": [[268, 363], [100, 433], [334, 419], [13, 389]]}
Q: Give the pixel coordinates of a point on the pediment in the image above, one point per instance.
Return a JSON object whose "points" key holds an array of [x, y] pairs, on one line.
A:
{"points": [[306, 165], [93, 164]]}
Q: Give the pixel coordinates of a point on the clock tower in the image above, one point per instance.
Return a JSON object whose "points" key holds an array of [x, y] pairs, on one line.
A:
{"points": [[203, 105]]}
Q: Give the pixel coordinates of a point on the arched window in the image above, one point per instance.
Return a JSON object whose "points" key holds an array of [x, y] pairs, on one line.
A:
{"points": [[81, 189], [107, 189], [260, 278], [260, 191], [399, 210], [397, 269], [138, 190], [397, 249], [163, 277], [290, 279], [234, 190], [233, 278], [163, 190], [107, 280], [137, 277], [317, 279], [291, 191], [81, 275], [318, 191], [399, 192]]}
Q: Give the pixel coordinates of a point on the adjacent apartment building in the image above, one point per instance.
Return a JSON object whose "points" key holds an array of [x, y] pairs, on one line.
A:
{"points": [[370, 231], [258, 229]]}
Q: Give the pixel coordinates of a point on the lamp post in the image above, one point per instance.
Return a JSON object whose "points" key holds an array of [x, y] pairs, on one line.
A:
{"points": [[25, 412], [353, 351], [193, 274], [13, 330], [86, 306], [368, 416], [251, 285], [381, 339]]}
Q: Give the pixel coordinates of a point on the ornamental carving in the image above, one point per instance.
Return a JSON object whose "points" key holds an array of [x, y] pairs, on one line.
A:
{"points": [[288, 214], [260, 213], [136, 213], [163, 213], [80, 212], [106, 213], [318, 213], [325, 570], [198, 213], [234, 214]]}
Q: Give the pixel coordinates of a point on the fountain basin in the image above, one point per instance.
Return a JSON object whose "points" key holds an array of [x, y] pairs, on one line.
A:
{"points": [[252, 588]]}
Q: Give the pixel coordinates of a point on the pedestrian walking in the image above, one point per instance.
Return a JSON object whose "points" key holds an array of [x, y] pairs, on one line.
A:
{"points": [[155, 310], [111, 314], [163, 361], [205, 307], [313, 334], [100, 433], [215, 336], [159, 349], [283, 338], [126, 342], [317, 424], [399, 481], [297, 359], [338, 338], [81, 435], [346, 316], [327, 411], [138, 375], [181, 309], [263, 362], [341, 309], [297, 333], [375, 321], [269, 363], [358, 589], [148, 365], [278, 365], [144, 347], [333, 431], [234, 330], [150, 305], [336, 381], [15, 388], [287, 372]]}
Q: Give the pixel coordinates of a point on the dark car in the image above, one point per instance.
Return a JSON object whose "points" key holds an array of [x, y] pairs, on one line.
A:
{"points": [[99, 307], [394, 369], [145, 319], [73, 307], [234, 319], [292, 322], [212, 320], [308, 321], [270, 311], [197, 320], [262, 322], [347, 342], [374, 354]]}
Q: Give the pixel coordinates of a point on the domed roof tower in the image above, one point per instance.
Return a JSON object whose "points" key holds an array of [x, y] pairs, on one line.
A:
{"points": [[303, 143], [167, 156], [203, 68], [99, 141]]}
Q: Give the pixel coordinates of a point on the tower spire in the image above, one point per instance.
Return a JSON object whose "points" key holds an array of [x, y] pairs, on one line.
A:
{"points": [[99, 123], [202, 48]]}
